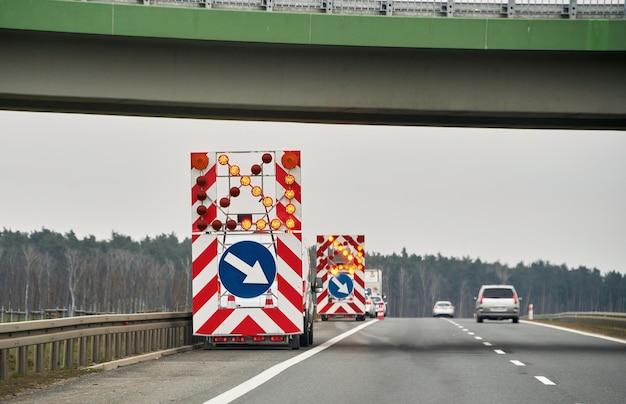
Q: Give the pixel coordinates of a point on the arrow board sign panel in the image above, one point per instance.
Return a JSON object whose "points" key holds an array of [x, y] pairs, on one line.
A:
{"points": [[247, 269], [340, 286]]}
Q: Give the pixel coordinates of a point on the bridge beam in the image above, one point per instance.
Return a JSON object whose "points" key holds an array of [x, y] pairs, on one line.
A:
{"points": [[225, 80]]}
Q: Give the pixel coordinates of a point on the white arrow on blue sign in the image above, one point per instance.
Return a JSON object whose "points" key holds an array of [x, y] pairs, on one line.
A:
{"points": [[247, 269], [340, 286]]}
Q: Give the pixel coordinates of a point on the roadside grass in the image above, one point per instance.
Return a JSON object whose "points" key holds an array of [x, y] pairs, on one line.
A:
{"points": [[17, 384], [33, 380], [611, 329]]}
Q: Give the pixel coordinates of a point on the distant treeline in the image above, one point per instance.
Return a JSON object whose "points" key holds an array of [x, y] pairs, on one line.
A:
{"points": [[45, 269], [413, 283]]}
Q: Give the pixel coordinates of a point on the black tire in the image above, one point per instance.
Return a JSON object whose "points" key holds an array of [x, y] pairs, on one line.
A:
{"points": [[324, 317], [479, 319], [310, 336], [295, 342], [304, 339], [515, 320]]}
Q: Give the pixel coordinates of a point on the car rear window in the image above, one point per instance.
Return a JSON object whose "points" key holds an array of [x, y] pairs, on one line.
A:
{"points": [[375, 299], [443, 304], [498, 293]]}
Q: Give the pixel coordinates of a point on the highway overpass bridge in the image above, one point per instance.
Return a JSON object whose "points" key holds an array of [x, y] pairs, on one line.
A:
{"points": [[498, 67]]}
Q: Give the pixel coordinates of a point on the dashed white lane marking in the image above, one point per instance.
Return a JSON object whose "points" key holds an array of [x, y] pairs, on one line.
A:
{"points": [[545, 380], [470, 333], [499, 351], [465, 329], [517, 363], [478, 338], [275, 370], [487, 343], [588, 334]]}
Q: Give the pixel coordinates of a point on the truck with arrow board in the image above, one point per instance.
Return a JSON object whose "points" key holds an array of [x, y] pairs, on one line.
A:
{"points": [[341, 272], [251, 281]]}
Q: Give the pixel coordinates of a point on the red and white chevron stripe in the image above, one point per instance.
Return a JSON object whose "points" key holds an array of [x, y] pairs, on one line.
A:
{"points": [[280, 311], [331, 261]]}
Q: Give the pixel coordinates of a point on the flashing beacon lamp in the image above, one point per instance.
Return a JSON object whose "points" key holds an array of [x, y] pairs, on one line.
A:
{"points": [[275, 224], [199, 161]]}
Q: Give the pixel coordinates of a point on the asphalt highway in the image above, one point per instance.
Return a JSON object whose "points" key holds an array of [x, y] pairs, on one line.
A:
{"points": [[390, 361]]}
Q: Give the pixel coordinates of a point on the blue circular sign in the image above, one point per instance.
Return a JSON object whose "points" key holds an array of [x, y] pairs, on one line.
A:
{"points": [[340, 286], [247, 269]]}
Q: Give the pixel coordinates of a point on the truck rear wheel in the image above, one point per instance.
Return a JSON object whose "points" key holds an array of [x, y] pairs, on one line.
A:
{"points": [[324, 317], [310, 336], [360, 317], [295, 342]]}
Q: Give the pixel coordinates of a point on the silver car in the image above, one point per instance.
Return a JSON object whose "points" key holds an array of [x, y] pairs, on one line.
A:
{"points": [[497, 302]]}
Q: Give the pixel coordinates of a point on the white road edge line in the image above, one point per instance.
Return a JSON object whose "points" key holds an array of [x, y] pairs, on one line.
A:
{"points": [[517, 363], [545, 380], [275, 370], [499, 351], [487, 343], [588, 334]]}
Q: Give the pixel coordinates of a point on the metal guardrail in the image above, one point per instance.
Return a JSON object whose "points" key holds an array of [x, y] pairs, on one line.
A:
{"points": [[569, 9], [605, 320], [79, 341], [583, 314]]}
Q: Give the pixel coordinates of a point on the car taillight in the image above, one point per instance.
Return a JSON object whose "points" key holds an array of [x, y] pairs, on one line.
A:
{"points": [[368, 302], [258, 338], [514, 297], [481, 300]]}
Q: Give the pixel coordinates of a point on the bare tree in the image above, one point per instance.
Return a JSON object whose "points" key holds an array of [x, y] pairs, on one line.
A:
{"points": [[73, 265], [31, 257]]}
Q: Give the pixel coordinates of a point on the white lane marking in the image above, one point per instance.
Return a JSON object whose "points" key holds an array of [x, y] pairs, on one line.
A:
{"points": [[487, 343], [478, 338], [275, 370], [517, 363], [499, 351], [588, 334], [545, 380], [465, 329], [470, 333]]}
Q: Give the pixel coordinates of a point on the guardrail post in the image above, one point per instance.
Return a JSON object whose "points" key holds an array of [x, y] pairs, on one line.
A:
{"points": [[127, 351], [22, 353], [69, 353], [107, 347], [82, 354], [95, 349], [39, 358], [136, 349], [4, 364], [118, 345], [54, 356], [570, 10], [146, 347], [327, 6]]}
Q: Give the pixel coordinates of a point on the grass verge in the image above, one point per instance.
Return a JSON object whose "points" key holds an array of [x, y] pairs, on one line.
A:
{"points": [[610, 329], [15, 385]]}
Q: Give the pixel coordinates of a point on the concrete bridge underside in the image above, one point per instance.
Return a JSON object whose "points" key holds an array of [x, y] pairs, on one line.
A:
{"points": [[311, 83]]}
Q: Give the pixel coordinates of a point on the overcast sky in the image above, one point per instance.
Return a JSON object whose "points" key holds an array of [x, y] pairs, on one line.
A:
{"points": [[497, 194]]}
